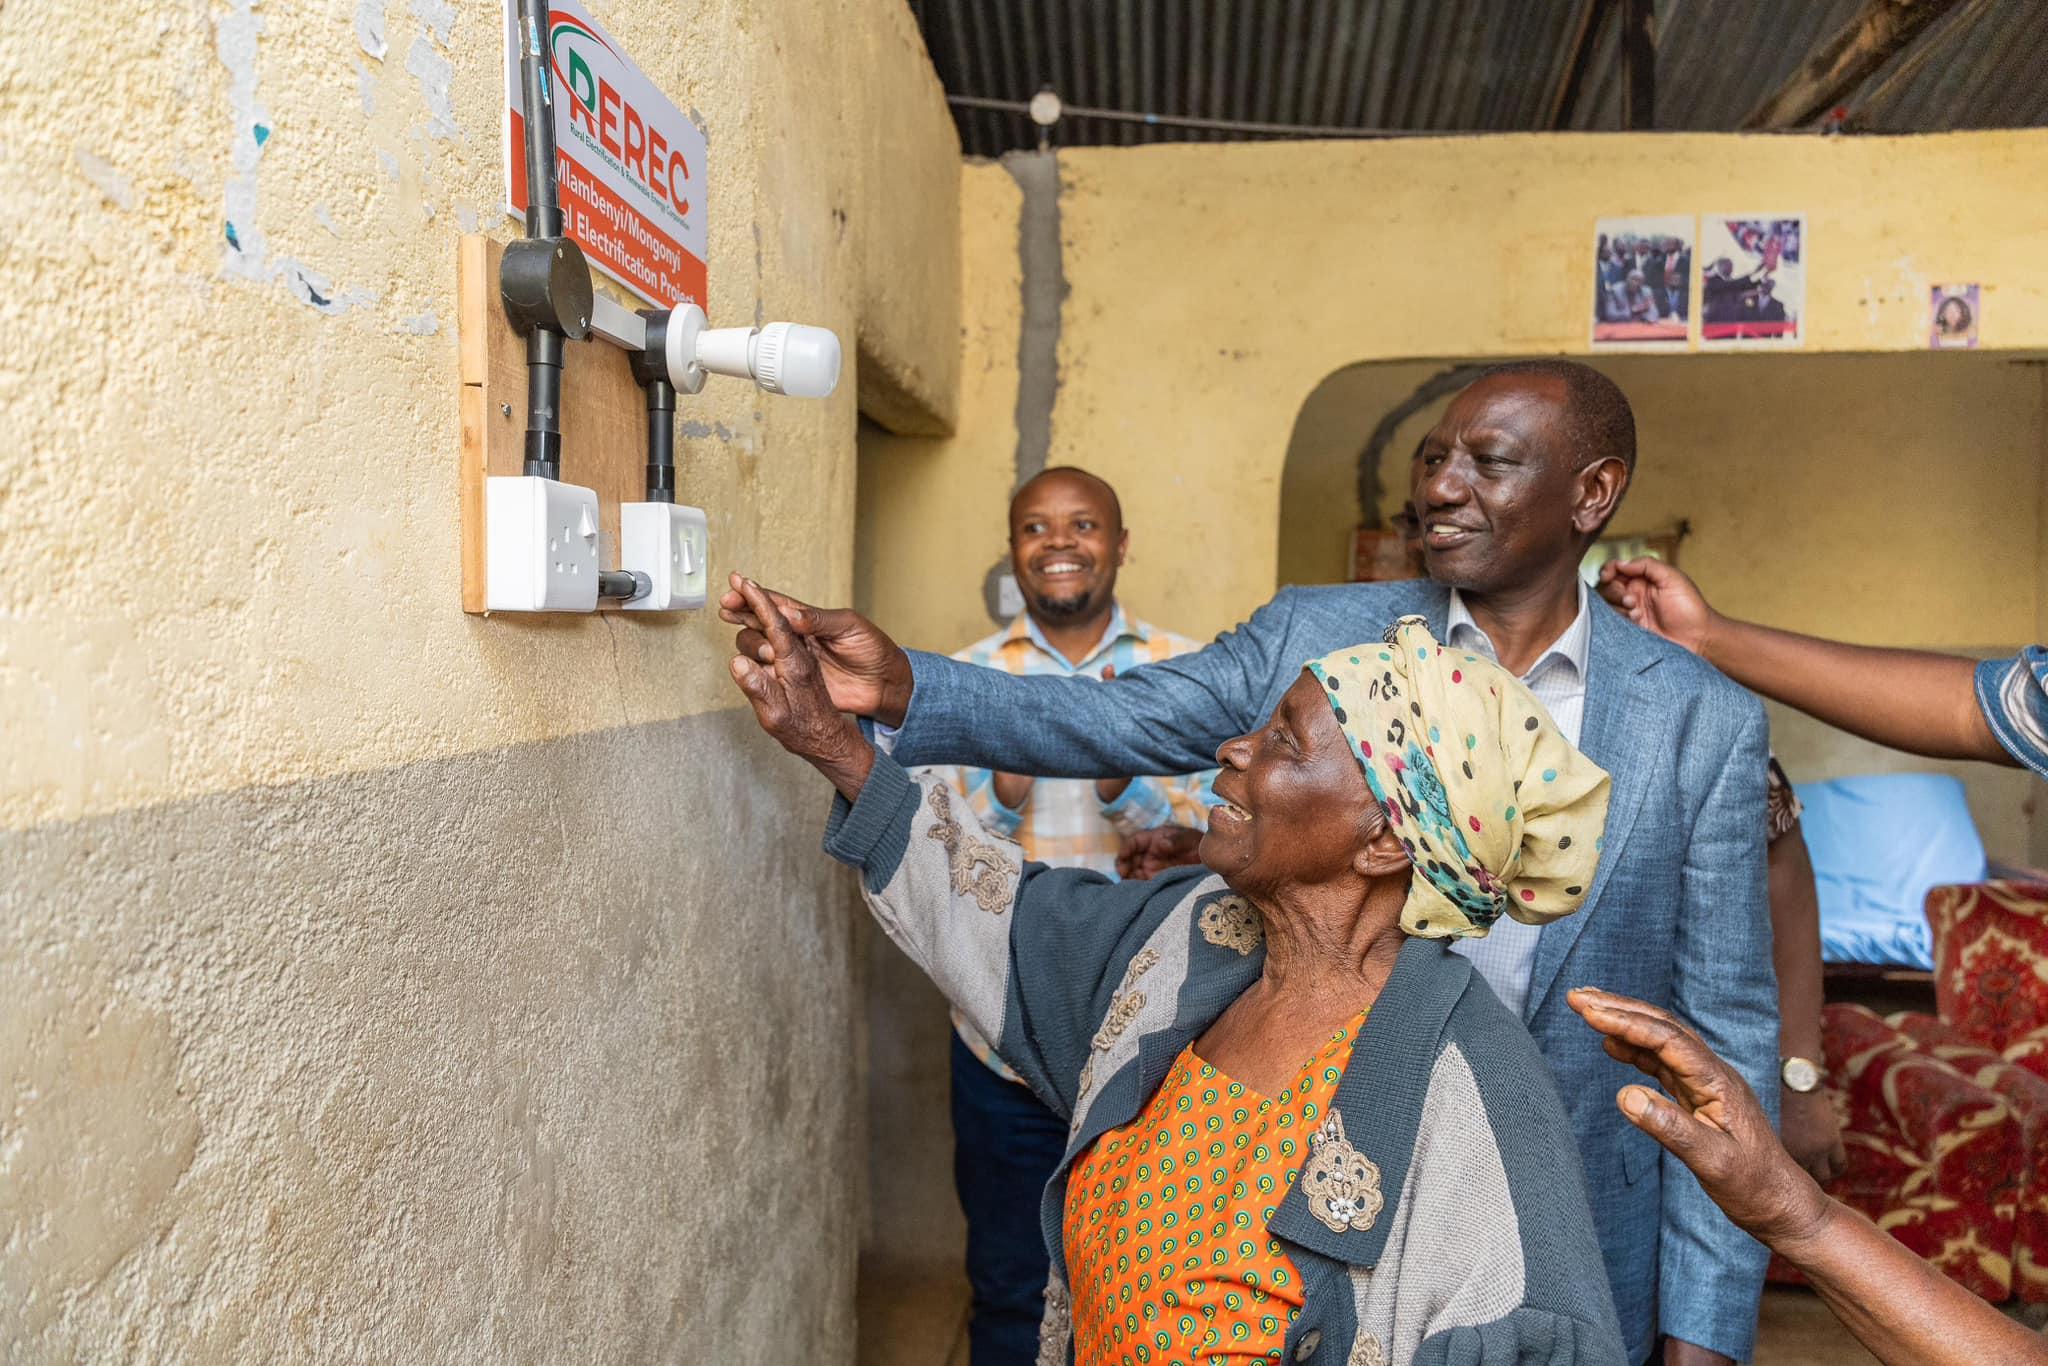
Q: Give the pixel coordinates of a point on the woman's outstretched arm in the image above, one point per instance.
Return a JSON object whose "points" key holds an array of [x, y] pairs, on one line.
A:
{"points": [[1030, 954], [1897, 1305]]}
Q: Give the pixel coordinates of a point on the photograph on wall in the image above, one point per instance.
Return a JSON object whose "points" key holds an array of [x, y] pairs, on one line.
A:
{"points": [[1752, 279], [1642, 272], [1954, 315]]}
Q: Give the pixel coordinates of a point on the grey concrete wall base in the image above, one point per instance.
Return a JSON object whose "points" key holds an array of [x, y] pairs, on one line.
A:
{"points": [[280, 1060]]}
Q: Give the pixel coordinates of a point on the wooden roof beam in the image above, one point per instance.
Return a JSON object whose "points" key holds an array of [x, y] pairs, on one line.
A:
{"points": [[1832, 71]]}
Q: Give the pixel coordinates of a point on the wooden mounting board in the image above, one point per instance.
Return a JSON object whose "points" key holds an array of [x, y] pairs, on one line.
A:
{"points": [[604, 415]]}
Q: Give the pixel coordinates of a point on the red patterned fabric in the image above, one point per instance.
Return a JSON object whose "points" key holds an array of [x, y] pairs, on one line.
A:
{"points": [[2026, 1095], [1991, 959], [1946, 1120], [1933, 1156]]}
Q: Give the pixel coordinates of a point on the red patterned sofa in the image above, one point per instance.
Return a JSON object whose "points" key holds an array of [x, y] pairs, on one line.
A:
{"points": [[1946, 1117]]}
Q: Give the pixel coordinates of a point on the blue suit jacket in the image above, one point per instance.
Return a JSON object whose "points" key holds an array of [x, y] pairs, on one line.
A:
{"points": [[1678, 914]]}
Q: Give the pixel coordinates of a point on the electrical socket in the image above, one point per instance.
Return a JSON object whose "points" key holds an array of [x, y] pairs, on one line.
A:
{"points": [[540, 545], [670, 545]]}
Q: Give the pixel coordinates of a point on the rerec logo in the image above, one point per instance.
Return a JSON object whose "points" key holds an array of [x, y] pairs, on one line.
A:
{"points": [[611, 120]]}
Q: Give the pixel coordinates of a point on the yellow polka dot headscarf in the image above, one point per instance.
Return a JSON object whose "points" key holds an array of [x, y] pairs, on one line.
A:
{"points": [[1497, 810]]}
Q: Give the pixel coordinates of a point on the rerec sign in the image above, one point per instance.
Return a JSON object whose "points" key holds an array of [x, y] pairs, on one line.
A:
{"points": [[630, 165]]}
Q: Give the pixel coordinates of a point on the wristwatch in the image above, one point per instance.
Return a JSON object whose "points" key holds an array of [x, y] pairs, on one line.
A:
{"points": [[1800, 1074]]}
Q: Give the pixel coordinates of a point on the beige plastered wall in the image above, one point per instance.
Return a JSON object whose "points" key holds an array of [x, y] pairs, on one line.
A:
{"points": [[379, 982], [1212, 290]]}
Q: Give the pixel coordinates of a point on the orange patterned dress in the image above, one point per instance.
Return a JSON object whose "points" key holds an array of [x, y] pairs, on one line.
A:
{"points": [[1167, 1249]]}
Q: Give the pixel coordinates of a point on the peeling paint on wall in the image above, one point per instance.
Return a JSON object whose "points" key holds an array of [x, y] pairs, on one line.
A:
{"points": [[310, 287], [438, 15], [370, 27], [420, 324], [325, 219], [366, 89], [235, 36], [248, 255], [436, 77], [118, 189]]}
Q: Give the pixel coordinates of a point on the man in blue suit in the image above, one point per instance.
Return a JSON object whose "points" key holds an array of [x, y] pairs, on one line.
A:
{"points": [[1516, 480]]}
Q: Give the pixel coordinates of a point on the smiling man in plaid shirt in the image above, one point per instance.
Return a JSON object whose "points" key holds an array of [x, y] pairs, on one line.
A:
{"points": [[1067, 540]]}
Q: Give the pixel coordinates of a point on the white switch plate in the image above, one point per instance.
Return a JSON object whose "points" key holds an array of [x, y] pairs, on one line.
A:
{"points": [[670, 545], [540, 545], [1009, 597]]}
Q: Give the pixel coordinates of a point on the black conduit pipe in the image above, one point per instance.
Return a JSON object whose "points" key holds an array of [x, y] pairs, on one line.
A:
{"points": [[650, 367], [543, 219]]}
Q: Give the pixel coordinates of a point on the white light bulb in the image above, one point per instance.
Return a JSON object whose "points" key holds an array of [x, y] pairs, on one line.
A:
{"points": [[783, 358], [800, 361]]}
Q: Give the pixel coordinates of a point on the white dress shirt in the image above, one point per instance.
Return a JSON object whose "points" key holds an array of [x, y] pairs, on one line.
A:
{"points": [[1507, 954]]}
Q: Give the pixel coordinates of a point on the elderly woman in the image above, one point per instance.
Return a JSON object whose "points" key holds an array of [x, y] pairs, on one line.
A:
{"points": [[1300, 1128]]}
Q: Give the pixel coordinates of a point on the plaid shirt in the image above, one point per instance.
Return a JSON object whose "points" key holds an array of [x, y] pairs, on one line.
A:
{"points": [[1062, 823]]}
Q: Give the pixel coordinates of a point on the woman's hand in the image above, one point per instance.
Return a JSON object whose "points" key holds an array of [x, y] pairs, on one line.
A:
{"points": [[791, 701], [863, 670], [1657, 597], [1711, 1121]]}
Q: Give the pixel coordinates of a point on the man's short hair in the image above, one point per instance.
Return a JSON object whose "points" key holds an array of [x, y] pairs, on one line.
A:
{"points": [[1116, 504], [1598, 421]]}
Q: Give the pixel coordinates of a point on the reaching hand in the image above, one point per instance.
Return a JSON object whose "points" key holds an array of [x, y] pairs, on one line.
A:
{"points": [[864, 671], [790, 700], [1813, 1133], [1711, 1121], [1149, 853], [1657, 597]]}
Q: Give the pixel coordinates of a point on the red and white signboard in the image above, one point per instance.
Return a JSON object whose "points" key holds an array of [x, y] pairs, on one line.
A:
{"points": [[629, 165]]}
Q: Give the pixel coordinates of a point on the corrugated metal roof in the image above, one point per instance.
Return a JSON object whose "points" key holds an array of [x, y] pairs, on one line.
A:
{"points": [[1449, 65]]}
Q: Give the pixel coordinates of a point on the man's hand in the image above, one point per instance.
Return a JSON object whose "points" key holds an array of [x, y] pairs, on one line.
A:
{"points": [[790, 700], [1657, 597], [1711, 1121], [1149, 853], [1812, 1132], [1678, 1353], [1013, 789], [864, 671]]}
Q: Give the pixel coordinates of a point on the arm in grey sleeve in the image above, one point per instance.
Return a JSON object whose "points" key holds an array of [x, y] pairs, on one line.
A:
{"points": [[1710, 1273], [1164, 718], [960, 902]]}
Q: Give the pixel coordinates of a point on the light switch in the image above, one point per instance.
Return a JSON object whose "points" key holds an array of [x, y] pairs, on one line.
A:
{"points": [[670, 545]]}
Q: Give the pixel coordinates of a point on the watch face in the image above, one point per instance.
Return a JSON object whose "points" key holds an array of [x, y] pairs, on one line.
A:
{"points": [[1800, 1074]]}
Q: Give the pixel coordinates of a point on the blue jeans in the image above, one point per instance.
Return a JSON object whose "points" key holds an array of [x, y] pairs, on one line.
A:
{"points": [[1005, 1146]]}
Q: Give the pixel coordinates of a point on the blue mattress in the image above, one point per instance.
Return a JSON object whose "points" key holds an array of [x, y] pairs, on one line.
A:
{"points": [[1878, 843]]}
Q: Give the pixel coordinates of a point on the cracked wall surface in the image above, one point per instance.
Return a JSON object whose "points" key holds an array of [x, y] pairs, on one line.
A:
{"points": [[379, 982]]}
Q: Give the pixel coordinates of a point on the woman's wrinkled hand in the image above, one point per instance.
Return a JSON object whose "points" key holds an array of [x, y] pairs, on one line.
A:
{"points": [[790, 699], [865, 672], [1710, 1121]]}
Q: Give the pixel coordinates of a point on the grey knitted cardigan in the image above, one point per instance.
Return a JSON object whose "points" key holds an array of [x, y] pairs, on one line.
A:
{"points": [[1483, 1248]]}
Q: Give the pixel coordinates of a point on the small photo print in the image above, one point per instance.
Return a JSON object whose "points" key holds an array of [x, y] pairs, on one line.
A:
{"points": [[1752, 279], [1954, 314], [1642, 272]]}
